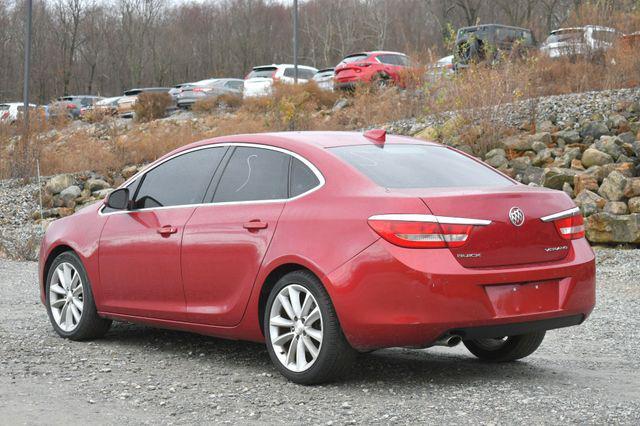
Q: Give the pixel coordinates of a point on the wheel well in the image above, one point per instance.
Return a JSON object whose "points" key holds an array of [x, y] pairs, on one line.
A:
{"points": [[54, 253], [270, 282]]}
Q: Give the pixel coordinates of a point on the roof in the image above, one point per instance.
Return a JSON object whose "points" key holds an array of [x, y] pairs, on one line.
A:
{"points": [[282, 65], [595, 27], [317, 139], [376, 52], [494, 25]]}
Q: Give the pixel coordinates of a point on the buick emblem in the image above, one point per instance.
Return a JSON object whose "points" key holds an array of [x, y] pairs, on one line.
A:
{"points": [[516, 216]]}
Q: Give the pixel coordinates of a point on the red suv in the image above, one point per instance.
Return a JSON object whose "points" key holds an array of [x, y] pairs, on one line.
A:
{"points": [[371, 67]]}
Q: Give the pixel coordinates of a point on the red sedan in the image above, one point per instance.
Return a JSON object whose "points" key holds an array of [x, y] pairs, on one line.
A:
{"points": [[382, 68], [323, 244]]}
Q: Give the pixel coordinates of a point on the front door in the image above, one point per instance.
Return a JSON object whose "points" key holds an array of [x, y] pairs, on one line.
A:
{"points": [[139, 252]]}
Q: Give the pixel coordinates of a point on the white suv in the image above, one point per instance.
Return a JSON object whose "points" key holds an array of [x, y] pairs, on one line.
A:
{"points": [[260, 80], [10, 112], [589, 40]]}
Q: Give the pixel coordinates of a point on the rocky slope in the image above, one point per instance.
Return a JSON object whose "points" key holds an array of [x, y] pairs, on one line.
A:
{"points": [[585, 144]]}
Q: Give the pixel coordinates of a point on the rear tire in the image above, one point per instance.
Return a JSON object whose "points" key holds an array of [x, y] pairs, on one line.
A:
{"points": [[507, 349], [314, 329], [69, 300]]}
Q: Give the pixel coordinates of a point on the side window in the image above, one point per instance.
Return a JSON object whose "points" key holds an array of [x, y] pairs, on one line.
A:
{"points": [[302, 179], [254, 174], [181, 180]]}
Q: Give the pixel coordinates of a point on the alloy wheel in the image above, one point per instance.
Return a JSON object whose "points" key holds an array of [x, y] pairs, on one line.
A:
{"points": [[295, 328], [66, 297]]}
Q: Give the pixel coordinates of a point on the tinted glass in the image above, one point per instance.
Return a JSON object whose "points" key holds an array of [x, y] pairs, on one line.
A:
{"points": [[254, 174], [234, 84], [179, 181], [353, 58], [418, 166], [565, 36], [302, 179], [394, 59], [4, 107], [266, 72], [303, 73]]}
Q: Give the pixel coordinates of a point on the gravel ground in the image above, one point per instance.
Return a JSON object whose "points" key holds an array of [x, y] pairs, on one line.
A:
{"points": [[587, 374]]}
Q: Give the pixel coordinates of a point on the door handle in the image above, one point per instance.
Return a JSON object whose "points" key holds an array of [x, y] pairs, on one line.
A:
{"points": [[167, 230], [255, 225]]}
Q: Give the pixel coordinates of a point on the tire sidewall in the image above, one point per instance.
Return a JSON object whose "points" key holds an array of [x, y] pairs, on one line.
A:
{"points": [[88, 304], [328, 328]]}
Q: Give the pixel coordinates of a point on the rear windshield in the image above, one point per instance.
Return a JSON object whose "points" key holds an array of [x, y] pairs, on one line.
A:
{"points": [[418, 166], [303, 73], [266, 72], [4, 107], [564, 36], [354, 58], [132, 92]]}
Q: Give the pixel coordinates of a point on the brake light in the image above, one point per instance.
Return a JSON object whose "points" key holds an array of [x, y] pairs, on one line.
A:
{"points": [[201, 89], [424, 231], [568, 223], [5, 115], [71, 106]]}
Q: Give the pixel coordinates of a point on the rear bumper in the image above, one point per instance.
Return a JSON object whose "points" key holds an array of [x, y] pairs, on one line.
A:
{"points": [[390, 296]]}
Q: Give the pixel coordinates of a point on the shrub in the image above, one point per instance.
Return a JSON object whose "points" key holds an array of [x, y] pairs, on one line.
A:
{"points": [[151, 106], [213, 104]]}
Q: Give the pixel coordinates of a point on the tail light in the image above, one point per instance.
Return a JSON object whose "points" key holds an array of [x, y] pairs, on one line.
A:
{"points": [[71, 106], [424, 231], [5, 115], [201, 90], [568, 223]]}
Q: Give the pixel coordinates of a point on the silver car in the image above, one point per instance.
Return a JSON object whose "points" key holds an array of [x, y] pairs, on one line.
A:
{"points": [[324, 78], [192, 92]]}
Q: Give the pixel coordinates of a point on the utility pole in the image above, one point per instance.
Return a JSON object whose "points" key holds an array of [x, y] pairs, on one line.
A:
{"points": [[295, 41], [27, 66]]}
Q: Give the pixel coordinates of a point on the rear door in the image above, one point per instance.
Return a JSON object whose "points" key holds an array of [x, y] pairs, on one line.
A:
{"points": [[225, 242]]}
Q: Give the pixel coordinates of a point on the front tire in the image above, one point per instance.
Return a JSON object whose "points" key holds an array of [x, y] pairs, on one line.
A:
{"points": [[302, 332], [69, 300], [505, 349]]}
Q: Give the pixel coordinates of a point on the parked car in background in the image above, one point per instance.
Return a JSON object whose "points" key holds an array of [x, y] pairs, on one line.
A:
{"points": [[259, 82], [175, 90], [10, 112], [71, 105], [379, 67], [106, 106], [128, 101], [322, 244], [443, 67], [631, 41], [193, 92], [490, 43], [324, 78], [589, 41]]}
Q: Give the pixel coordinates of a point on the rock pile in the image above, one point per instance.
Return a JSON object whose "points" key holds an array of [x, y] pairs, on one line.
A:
{"points": [[595, 161], [65, 194]]}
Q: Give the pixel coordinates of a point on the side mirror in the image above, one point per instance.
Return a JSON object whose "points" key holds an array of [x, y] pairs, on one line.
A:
{"points": [[118, 199]]}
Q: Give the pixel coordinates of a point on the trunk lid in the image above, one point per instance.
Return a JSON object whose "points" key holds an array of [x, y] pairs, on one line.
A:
{"points": [[502, 243]]}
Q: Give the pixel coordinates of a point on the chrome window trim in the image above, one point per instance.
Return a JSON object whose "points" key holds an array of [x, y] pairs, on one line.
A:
{"points": [[306, 162], [560, 215], [428, 218]]}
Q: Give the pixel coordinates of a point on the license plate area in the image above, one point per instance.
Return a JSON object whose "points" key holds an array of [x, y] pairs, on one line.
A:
{"points": [[523, 298]]}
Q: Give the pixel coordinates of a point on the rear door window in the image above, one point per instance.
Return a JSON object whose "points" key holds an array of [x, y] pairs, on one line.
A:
{"points": [[418, 166], [393, 59], [254, 174], [182, 180], [303, 73]]}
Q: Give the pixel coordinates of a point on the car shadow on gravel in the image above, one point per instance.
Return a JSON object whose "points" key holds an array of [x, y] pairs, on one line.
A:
{"points": [[391, 366]]}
